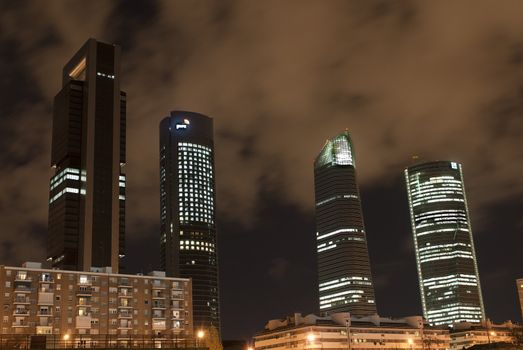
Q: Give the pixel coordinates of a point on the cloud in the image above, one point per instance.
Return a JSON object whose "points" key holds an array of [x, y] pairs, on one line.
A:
{"points": [[439, 80], [279, 269]]}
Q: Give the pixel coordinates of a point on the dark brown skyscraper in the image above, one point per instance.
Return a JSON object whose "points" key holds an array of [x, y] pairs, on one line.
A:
{"points": [[345, 280], [87, 190], [187, 209]]}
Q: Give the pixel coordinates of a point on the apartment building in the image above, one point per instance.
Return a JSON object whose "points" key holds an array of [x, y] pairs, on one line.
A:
{"points": [[466, 334], [40, 301], [337, 331]]}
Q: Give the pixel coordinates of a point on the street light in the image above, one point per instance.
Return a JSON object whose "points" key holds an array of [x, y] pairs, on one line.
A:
{"points": [[66, 338], [200, 334], [410, 341]]}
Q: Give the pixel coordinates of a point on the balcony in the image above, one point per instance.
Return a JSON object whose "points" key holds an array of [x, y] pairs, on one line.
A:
{"points": [[124, 283], [19, 324], [45, 298], [84, 290], [44, 313], [177, 296], [21, 288], [23, 278], [19, 300], [83, 321], [125, 315], [125, 325], [21, 312], [156, 285]]}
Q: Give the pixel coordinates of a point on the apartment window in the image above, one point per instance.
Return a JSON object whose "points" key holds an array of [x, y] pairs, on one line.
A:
{"points": [[7, 294], [70, 287], [58, 287], [58, 276], [8, 284], [8, 272], [6, 319], [69, 320], [57, 298]]}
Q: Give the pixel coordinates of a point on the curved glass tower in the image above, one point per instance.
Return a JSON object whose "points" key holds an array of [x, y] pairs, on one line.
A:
{"points": [[445, 254], [345, 280], [187, 209]]}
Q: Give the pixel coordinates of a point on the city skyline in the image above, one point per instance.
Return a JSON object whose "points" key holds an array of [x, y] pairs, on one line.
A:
{"points": [[276, 95]]}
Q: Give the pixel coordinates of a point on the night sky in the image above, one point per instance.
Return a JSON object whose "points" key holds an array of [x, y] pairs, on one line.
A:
{"points": [[437, 79]]}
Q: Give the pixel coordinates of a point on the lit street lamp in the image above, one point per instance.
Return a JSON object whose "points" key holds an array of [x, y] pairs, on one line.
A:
{"points": [[200, 336], [410, 341]]}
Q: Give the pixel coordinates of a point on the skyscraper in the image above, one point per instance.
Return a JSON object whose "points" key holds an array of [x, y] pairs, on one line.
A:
{"points": [[87, 190], [187, 209], [344, 274], [445, 254]]}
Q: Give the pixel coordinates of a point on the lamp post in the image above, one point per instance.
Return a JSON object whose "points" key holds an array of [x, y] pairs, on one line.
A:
{"points": [[310, 339], [349, 345], [200, 336], [410, 341], [66, 338]]}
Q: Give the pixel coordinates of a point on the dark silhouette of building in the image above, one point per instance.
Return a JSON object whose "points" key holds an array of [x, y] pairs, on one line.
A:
{"points": [[446, 260], [87, 190], [345, 280], [187, 209]]}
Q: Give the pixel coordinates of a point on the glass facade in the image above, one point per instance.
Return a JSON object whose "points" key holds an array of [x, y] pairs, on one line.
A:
{"points": [[187, 209], [344, 273], [445, 254]]}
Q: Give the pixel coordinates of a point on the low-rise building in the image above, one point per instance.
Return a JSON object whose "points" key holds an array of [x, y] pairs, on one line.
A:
{"points": [[335, 332], [91, 305], [464, 334]]}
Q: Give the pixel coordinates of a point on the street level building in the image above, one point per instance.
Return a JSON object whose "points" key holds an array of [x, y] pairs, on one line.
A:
{"points": [[187, 210], [344, 273], [93, 306], [87, 189], [463, 335], [519, 286], [334, 332], [445, 255]]}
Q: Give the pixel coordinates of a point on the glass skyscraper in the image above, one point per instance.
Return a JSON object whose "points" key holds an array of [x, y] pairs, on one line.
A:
{"points": [[187, 209], [87, 190], [446, 260], [344, 273]]}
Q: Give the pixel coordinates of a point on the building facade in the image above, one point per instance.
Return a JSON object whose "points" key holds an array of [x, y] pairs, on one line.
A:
{"points": [[446, 259], [344, 273], [87, 189], [519, 286], [187, 209], [464, 335], [88, 305], [334, 332]]}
